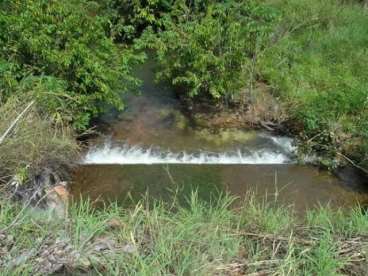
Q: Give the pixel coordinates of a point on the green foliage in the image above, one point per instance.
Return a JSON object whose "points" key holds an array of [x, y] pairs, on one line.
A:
{"points": [[311, 53], [129, 18], [318, 67], [8, 80], [59, 49], [211, 53]]}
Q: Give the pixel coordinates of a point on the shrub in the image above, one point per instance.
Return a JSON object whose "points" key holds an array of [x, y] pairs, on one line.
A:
{"points": [[60, 44], [211, 53], [128, 19]]}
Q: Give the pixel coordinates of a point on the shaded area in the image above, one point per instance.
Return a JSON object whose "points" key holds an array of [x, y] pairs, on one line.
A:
{"points": [[153, 127], [155, 117]]}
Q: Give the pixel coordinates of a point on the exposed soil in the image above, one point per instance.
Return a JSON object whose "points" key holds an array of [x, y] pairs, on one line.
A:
{"points": [[264, 111]]}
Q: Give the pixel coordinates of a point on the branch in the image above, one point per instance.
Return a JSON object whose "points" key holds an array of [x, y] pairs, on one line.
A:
{"points": [[6, 133], [353, 163]]}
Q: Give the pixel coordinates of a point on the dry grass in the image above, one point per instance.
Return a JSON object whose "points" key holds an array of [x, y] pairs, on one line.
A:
{"points": [[34, 143]]}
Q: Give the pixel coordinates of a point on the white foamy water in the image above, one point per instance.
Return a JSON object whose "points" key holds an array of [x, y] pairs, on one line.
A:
{"points": [[127, 154], [286, 143]]}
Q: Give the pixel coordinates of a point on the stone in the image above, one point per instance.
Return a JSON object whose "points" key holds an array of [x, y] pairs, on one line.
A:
{"points": [[62, 191], [57, 199]]}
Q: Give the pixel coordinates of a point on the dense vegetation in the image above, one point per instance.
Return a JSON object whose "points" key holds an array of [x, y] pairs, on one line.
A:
{"points": [[66, 62], [318, 68], [201, 239], [75, 58], [36, 144], [60, 54], [214, 52]]}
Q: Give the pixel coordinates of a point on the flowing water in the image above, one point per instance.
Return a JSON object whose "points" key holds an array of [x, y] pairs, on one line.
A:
{"points": [[152, 147]]}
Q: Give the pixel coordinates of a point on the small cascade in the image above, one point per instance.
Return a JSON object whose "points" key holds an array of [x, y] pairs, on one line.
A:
{"points": [[281, 153]]}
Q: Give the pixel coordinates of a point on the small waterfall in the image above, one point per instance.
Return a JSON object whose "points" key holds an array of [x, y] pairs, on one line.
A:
{"points": [[282, 153]]}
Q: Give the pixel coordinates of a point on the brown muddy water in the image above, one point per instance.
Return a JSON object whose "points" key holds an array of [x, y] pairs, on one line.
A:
{"points": [[152, 148], [302, 187]]}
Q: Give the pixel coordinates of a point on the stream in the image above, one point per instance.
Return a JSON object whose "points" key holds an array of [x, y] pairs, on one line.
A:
{"points": [[152, 149]]}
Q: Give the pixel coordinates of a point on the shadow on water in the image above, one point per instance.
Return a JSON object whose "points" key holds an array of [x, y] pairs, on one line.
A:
{"points": [[130, 183], [302, 187]]}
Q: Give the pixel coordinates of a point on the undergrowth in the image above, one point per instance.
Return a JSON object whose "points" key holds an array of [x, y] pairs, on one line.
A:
{"points": [[317, 67], [167, 239], [34, 143]]}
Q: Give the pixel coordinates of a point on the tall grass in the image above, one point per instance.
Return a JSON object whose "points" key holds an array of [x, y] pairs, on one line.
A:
{"points": [[34, 143], [199, 239], [317, 66]]}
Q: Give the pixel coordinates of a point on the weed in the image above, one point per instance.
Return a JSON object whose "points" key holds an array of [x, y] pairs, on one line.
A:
{"points": [[199, 239]]}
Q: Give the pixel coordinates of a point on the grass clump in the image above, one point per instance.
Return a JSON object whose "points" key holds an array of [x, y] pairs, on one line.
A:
{"points": [[199, 239], [35, 142]]}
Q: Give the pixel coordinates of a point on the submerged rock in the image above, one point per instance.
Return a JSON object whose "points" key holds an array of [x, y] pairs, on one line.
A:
{"points": [[173, 118], [226, 136]]}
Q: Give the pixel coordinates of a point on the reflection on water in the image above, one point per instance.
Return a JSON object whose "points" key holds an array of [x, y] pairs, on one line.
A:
{"points": [[300, 186], [154, 118]]}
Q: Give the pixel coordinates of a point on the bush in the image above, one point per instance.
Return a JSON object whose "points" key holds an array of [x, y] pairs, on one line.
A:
{"points": [[211, 53], [128, 19], [59, 44]]}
